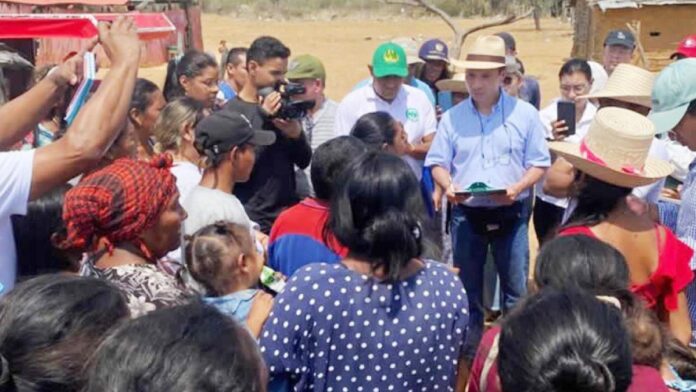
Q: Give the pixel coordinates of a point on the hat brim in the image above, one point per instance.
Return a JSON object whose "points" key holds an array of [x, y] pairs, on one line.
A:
{"points": [[389, 71], [611, 42], [457, 86], [635, 99], [666, 120], [478, 64], [262, 138], [653, 171], [414, 60], [434, 57]]}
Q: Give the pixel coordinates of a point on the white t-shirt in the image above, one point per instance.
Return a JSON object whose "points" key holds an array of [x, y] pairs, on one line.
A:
{"points": [[15, 185], [188, 176], [206, 206], [550, 114], [411, 106]]}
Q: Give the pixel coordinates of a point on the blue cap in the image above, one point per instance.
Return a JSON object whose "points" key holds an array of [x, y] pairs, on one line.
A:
{"points": [[434, 49], [673, 91]]}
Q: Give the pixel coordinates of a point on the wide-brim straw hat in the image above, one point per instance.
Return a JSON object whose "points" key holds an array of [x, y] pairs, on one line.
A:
{"points": [[487, 52], [615, 150], [457, 84], [628, 83]]}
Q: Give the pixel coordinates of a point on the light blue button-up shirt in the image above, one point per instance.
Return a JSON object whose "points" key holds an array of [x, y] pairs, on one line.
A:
{"points": [[685, 213], [496, 149]]}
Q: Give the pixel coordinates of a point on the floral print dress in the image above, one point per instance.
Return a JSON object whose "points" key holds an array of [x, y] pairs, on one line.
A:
{"points": [[146, 287]]}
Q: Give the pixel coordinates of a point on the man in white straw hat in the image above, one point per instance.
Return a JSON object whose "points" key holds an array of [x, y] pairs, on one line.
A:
{"points": [[488, 152], [674, 110], [456, 85], [611, 160]]}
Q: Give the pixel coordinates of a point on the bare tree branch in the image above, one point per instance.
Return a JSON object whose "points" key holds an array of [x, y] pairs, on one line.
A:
{"points": [[459, 34]]}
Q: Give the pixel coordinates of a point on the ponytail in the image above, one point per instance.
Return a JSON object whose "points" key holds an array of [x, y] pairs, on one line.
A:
{"points": [[190, 65]]}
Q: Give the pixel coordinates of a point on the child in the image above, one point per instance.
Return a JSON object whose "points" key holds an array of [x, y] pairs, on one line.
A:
{"points": [[223, 258]]}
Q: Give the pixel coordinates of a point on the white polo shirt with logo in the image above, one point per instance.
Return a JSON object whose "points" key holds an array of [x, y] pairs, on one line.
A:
{"points": [[411, 106]]}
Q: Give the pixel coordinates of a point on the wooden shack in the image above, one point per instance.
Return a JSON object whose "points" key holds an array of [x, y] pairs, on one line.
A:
{"points": [[663, 23]]}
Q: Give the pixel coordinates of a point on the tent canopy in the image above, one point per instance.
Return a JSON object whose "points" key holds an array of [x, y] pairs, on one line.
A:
{"points": [[23, 26], [55, 2]]}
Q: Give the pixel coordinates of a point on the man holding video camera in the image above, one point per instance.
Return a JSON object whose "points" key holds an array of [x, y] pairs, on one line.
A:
{"points": [[271, 187]]}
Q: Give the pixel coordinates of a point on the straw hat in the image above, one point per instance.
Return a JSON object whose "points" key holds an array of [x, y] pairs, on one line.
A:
{"points": [[615, 150], [628, 83], [488, 52], [457, 84]]}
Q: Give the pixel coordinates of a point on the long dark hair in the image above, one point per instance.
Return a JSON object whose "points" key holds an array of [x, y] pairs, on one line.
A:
{"points": [[50, 325], [190, 65], [595, 200], [329, 160], [186, 348], [564, 341], [581, 262], [376, 212], [32, 235], [374, 129]]}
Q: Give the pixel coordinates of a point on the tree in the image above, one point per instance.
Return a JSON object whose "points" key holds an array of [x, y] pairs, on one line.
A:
{"points": [[460, 34]]}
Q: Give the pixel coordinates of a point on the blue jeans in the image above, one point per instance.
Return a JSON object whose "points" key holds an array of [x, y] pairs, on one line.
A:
{"points": [[511, 256]]}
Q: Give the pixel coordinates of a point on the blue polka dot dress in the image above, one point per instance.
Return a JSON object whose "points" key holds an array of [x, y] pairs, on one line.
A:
{"points": [[333, 329]]}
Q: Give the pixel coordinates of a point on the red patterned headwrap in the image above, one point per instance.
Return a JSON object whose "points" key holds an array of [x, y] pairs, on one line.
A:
{"points": [[117, 203]]}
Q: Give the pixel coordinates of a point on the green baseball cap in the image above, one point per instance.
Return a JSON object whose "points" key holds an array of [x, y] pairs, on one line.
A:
{"points": [[673, 91], [389, 60], [306, 67]]}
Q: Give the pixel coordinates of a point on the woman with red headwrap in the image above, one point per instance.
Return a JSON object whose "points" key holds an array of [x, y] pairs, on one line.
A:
{"points": [[126, 216]]}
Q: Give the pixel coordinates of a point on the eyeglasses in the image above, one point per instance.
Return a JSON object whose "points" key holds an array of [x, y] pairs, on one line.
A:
{"points": [[576, 88], [507, 80]]}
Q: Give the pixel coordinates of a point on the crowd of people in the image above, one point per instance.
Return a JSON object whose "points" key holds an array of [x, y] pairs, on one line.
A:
{"points": [[238, 230]]}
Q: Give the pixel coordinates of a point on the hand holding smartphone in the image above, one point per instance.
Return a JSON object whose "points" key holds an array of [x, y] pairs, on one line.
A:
{"points": [[565, 111]]}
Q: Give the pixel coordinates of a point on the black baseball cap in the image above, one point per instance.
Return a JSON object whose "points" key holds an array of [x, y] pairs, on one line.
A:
{"points": [[620, 37], [224, 129]]}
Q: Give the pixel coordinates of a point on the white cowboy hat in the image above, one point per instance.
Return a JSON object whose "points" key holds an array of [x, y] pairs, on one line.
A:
{"points": [[488, 52], [615, 150], [628, 83], [457, 84]]}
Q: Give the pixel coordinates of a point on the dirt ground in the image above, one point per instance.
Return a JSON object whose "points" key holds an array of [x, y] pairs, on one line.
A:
{"points": [[345, 46]]}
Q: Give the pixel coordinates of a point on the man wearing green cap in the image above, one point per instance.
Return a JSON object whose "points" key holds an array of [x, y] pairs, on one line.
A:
{"points": [[309, 72], [674, 111], [388, 93]]}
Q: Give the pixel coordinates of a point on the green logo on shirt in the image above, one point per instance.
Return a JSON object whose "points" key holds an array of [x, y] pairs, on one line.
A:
{"points": [[412, 114]]}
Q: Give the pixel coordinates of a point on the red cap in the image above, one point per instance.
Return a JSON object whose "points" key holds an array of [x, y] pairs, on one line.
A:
{"points": [[687, 47]]}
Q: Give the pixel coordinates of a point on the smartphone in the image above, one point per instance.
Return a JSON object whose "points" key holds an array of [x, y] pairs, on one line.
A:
{"points": [[566, 111]]}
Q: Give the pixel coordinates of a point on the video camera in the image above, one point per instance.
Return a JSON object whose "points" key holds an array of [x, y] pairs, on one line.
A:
{"points": [[290, 109]]}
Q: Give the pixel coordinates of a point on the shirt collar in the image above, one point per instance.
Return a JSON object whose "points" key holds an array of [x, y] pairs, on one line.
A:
{"points": [[498, 105], [371, 95]]}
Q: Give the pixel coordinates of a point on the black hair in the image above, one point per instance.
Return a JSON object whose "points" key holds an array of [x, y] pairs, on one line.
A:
{"points": [[266, 48], [32, 236], [681, 358], [581, 262], [576, 65], [234, 54], [329, 160], [50, 325], [374, 129], [376, 212], [691, 110], [190, 65], [185, 348], [142, 94], [564, 341], [595, 200]]}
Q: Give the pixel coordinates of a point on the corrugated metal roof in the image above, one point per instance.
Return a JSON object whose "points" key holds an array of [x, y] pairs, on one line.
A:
{"points": [[56, 2], [616, 4]]}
